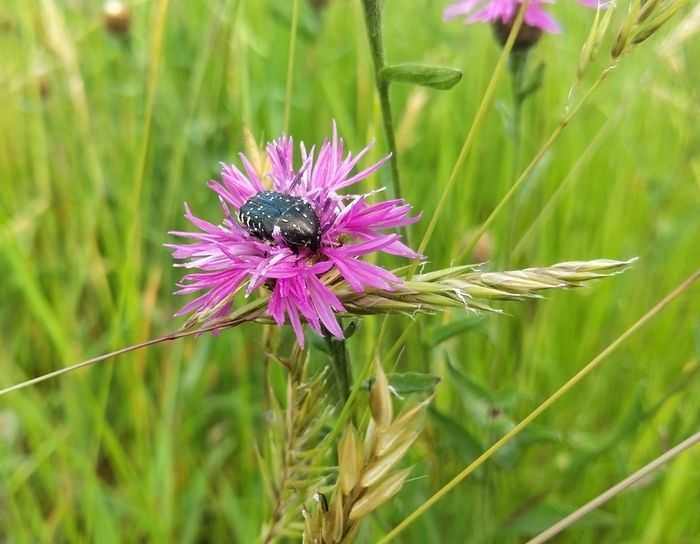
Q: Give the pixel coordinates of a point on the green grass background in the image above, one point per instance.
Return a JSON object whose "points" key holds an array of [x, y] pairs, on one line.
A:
{"points": [[102, 139]]}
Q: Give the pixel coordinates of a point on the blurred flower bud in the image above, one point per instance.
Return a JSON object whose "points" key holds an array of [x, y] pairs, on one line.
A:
{"points": [[117, 17], [43, 83], [483, 250], [526, 38]]}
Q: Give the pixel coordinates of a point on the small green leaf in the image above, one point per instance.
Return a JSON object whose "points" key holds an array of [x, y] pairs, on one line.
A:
{"points": [[539, 434], [533, 82], [435, 77], [508, 456], [413, 382], [632, 416]]}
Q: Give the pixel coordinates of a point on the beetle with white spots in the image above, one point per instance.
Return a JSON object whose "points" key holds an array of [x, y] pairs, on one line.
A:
{"points": [[270, 215]]}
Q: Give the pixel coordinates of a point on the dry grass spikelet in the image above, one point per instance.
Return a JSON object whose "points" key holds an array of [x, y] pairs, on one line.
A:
{"points": [[366, 475], [380, 398]]}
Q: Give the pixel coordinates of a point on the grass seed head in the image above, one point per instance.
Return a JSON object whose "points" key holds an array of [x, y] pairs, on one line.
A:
{"points": [[642, 21], [382, 465], [350, 460], [456, 287], [407, 423], [591, 47], [647, 9], [624, 35], [380, 398], [365, 480], [654, 23], [378, 495], [337, 513]]}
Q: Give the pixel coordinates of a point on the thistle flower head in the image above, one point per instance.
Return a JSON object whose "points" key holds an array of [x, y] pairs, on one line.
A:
{"points": [[287, 230], [503, 12]]}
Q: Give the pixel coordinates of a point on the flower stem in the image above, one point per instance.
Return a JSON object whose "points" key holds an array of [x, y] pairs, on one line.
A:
{"points": [[373, 21], [517, 63]]}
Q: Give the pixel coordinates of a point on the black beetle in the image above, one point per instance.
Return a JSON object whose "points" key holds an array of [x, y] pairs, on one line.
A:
{"points": [[293, 218]]}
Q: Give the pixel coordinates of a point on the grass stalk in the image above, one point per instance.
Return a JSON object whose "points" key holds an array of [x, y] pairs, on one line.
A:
{"points": [[616, 489], [457, 287], [340, 362], [568, 180], [132, 263], [105, 356], [592, 365], [373, 21]]}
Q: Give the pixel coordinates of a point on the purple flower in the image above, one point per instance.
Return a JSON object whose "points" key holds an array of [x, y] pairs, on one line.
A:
{"points": [[504, 12], [256, 248]]}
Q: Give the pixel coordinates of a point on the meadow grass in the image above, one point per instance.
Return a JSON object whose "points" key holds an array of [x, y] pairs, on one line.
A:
{"points": [[103, 137]]}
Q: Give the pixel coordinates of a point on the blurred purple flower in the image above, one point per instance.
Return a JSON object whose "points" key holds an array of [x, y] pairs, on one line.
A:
{"points": [[229, 256], [504, 12]]}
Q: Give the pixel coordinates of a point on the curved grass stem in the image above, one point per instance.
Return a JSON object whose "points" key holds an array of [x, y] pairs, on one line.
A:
{"points": [[592, 365], [105, 356], [616, 489]]}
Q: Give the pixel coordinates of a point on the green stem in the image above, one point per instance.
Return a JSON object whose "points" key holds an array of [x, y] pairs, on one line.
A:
{"points": [[517, 63], [341, 364], [373, 21]]}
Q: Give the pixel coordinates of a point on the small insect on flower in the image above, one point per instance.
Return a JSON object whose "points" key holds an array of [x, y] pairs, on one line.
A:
{"points": [[293, 231], [272, 216], [322, 501]]}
